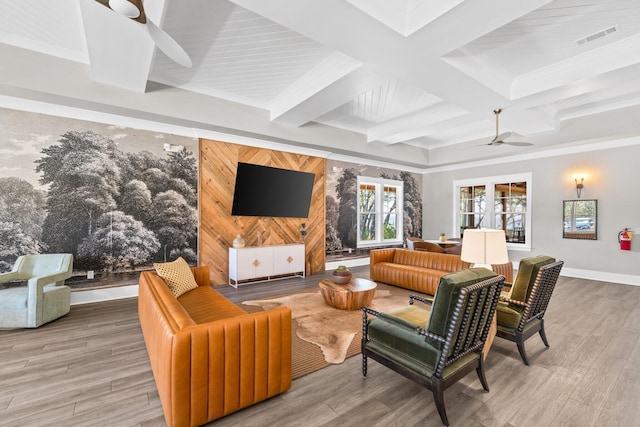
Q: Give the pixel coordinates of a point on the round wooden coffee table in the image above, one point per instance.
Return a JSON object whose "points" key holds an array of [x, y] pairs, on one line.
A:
{"points": [[352, 296]]}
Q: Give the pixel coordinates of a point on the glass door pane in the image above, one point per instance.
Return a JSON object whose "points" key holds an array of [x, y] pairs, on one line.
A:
{"points": [[367, 211]]}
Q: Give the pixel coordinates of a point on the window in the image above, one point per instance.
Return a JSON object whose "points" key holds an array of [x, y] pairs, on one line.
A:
{"points": [[509, 210], [379, 211]]}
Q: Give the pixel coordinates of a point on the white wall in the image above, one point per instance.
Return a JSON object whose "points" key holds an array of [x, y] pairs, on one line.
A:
{"points": [[613, 179]]}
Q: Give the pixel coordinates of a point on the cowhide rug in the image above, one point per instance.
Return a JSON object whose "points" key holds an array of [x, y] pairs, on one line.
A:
{"points": [[327, 327]]}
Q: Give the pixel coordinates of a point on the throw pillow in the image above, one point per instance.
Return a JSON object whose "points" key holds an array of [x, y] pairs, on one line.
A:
{"points": [[177, 275]]}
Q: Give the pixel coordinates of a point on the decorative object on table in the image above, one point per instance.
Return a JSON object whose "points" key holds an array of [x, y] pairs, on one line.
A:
{"points": [[238, 242], [341, 275], [443, 237], [303, 231]]}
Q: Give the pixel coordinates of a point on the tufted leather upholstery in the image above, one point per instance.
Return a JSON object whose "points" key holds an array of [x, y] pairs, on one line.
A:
{"points": [[210, 358], [416, 270], [420, 270]]}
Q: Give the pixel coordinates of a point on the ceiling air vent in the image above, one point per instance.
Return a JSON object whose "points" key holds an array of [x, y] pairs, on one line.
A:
{"points": [[598, 35]]}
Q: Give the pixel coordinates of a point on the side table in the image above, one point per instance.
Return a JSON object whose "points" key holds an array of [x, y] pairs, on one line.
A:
{"points": [[351, 296]]}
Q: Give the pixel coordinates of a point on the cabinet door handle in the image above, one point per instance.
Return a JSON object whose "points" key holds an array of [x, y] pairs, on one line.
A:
{"points": [[289, 260], [256, 263]]}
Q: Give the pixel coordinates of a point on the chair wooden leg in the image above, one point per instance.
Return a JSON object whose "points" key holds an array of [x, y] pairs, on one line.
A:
{"points": [[364, 365], [520, 344], [481, 376], [438, 397], [543, 335]]}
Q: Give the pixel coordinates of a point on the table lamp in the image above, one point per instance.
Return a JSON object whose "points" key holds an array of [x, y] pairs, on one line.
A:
{"points": [[483, 247]]}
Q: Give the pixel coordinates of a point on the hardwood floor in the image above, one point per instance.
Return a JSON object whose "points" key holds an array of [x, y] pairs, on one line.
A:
{"points": [[90, 368]]}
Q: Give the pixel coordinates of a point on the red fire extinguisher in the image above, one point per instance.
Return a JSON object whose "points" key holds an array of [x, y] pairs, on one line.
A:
{"points": [[624, 238]]}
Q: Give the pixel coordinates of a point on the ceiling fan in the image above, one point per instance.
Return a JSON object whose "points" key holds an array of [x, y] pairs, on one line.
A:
{"points": [[500, 137], [134, 10]]}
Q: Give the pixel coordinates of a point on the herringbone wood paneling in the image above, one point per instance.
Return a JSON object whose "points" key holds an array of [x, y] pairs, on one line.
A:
{"points": [[218, 166]]}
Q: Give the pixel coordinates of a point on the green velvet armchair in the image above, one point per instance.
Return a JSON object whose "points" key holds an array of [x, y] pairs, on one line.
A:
{"points": [[45, 297], [520, 312], [436, 347]]}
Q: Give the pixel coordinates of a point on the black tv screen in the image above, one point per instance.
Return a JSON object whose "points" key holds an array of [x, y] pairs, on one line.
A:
{"points": [[268, 191]]}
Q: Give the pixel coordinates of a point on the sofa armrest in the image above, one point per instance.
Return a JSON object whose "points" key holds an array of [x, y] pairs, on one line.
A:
{"points": [[428, 301], [381, 255], [56, 278], [201, 275], [514, 302], [8, 277], [220, 367]]}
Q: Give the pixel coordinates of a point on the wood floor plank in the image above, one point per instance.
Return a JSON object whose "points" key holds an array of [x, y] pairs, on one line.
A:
{"points": [[576, 414], [91, 368]]}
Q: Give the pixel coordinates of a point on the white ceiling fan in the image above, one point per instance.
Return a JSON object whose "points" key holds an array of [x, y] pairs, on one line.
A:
{"points": [[134, 10], [500, 137]]}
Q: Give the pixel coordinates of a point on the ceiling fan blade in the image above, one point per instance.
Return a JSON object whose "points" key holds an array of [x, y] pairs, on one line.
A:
{"points": [[168, 45], [131, 9], [501, 137], [519, 144], [134, 10]]}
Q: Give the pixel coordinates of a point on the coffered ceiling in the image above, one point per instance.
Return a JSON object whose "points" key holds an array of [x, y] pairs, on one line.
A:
{"points": [[411, 81]]}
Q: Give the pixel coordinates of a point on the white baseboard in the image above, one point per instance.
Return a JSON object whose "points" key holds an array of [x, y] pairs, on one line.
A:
{"points": [[118, 292], [603, 276], [352, 262], [96, 295]]}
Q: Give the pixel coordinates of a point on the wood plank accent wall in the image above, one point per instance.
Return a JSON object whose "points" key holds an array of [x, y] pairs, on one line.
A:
{"points": [[218, 165]]}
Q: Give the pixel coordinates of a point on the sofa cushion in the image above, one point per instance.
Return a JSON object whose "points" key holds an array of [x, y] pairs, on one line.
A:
{"points": [[177, 275], [509, 315], [207, 305], [410, 316], [398, 341], [527, 271], [433, 260], [14, 298], [447, 294]]}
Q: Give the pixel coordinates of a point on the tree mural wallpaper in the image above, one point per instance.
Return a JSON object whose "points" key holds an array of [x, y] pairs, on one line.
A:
{"points": [[109, 195], [342, 200]]}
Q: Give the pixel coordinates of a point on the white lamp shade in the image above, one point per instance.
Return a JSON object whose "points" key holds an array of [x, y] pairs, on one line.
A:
{"points": [[484, 247]]}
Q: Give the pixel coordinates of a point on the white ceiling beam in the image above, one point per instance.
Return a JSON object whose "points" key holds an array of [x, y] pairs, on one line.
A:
{"points": [[614, 56], [415, 59], [413, 125], [405, 17], [334, 82]]}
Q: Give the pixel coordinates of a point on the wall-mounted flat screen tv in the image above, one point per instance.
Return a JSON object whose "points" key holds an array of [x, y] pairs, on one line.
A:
{"points": [[274, 192]]}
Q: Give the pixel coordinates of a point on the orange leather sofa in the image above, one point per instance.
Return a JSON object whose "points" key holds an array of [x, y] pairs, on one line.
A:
{"points": [[208, 356], [420, 270]]}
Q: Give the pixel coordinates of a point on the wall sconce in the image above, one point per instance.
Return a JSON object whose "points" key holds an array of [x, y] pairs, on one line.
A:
{"points": [[579, 184]]}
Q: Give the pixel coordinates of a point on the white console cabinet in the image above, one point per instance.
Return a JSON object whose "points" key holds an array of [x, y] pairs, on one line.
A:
{"points": [[260, 263]]}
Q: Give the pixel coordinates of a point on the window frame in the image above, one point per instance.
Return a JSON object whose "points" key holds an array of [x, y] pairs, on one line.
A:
{"points": [[489, 183], [380, 184]]}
